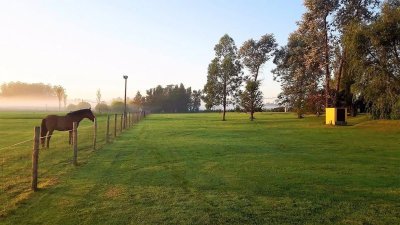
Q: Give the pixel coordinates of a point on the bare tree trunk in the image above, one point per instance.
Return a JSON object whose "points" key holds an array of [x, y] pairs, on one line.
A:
{"points": [[252, 106], [339, 77], [253, 96], [327, 75], [224, 102], [256, 75]]}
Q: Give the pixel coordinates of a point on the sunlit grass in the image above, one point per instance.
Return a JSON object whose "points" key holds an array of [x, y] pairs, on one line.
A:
{"points": [[15, 161], [196, 169]]}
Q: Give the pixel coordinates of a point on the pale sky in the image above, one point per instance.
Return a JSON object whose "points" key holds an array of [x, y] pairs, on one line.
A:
{"points": [[89, 45]]}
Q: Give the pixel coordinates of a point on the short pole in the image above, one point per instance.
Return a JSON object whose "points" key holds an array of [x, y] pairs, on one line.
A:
{"points": [[122, 120], [108, 129], [35, 159], [115, 125], [129, 119], [95, 134], [125, 117], [75, 142]]}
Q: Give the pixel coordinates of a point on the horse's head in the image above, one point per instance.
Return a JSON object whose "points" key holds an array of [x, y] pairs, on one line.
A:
{"points": [[90, 115]]}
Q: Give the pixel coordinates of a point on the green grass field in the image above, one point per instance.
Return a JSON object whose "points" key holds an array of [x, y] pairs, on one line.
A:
{"points": [[15, 161], [196, 169]]}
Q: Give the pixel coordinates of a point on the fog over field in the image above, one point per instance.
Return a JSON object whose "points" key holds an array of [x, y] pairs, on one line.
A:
{"points": [[32, 103], [27, 102]]}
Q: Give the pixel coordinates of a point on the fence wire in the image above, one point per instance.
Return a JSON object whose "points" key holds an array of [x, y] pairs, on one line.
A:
{"points": [[54, 162]]}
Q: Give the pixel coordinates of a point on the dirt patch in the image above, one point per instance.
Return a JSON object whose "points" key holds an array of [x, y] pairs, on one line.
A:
{"points": [[114, 192]]}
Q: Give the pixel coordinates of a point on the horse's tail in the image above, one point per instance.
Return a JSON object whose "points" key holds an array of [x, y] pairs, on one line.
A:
{"points": [[43, 131]]}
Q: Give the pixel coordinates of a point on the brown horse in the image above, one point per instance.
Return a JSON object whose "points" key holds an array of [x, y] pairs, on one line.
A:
{"points": [[62, 123]]}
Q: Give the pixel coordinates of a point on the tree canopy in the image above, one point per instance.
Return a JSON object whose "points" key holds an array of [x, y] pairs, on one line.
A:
{"points": [[253, 55], [374, 50], [348, 49], [224, 75], [170, 99]]}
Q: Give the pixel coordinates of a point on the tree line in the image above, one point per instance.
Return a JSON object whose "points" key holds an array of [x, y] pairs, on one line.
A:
{"points": [[344, 53], [17, 89], [35, 90], [168, 99]]}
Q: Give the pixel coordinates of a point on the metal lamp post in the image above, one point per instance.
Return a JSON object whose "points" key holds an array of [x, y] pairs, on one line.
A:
{"points": [[126, 78]]}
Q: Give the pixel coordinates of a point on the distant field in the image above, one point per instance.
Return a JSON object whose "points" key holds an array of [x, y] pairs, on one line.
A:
{"points": [[196, 169]]}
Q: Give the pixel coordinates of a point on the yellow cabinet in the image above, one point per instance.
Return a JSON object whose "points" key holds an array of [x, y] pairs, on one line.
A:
{"points": [[336, 116]]}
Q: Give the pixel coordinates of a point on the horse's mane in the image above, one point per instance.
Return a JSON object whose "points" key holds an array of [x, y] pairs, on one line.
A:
{"points": [[78, 112]]}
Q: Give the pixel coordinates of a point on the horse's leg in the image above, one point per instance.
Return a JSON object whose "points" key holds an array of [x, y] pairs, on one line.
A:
{"points": [[42, 140], [48, 138], [43, 132]]}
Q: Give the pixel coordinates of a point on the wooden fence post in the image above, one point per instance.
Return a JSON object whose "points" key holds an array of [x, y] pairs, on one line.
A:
{"points": [[75, 142], [122, 120], [129, 119], [95, 134], [35, 159], [108, 129], [115, 125]]}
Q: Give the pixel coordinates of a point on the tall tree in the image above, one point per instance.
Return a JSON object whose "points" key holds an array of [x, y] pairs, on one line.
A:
{"points": [[375, 51], [98, 96], [211, 94], [100, 106], [254, 54], [324, 22], [65, 96], [195, 101], [348, 12], [60, 91], [224, 75], [138, 100], [299, 79], [317, 24]]}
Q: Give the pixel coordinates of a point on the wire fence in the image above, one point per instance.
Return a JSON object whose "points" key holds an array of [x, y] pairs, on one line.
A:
{"points": [[16, 158]]}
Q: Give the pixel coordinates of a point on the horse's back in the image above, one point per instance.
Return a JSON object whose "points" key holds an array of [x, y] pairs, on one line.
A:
{"points": [[60, 123]]}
